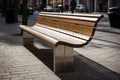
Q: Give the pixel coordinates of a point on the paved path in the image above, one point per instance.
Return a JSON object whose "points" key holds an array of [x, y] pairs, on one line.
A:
{"points": [[99, 60], [17, 62]]}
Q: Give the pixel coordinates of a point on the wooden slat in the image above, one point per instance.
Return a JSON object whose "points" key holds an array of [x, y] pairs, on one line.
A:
{"points": [[87, 23], [71, 33], [72, 27], [76, 14], [52, 41], [72, 17], [66, 39], [52, 36]]}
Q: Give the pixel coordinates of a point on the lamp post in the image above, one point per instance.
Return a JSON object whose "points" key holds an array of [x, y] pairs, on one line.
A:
{"points": [[95, 7]]}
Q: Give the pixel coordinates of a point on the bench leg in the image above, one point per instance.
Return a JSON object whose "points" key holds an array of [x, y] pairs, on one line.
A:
{"points": [[27, 39], [63, 59]]}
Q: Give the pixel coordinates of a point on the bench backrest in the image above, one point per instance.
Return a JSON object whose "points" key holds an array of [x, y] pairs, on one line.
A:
{"points": [[76, 14], [79, 24]]}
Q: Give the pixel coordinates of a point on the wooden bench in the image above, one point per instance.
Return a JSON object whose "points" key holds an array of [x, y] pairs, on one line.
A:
{"points": [[64, 31]]}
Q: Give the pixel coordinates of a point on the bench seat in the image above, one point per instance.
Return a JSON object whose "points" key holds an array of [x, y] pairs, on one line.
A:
{"points": [[65, 37]]}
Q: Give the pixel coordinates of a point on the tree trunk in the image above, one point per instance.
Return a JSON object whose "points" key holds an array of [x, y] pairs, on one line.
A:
{"points": [[3, 7], [16, 3], [25, 13]]}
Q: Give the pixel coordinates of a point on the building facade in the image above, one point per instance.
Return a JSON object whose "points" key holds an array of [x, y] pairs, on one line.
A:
{"points": [[92, 5]]}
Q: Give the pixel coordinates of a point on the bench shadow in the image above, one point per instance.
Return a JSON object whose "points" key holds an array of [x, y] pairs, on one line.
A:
{"points": [[108, 31], [106, 41], [45, 55], [84, 68]]}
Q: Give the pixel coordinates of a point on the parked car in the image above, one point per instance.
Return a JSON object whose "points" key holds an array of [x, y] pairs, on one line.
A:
{"points": [[81, 8], [58, 8], [114, 9], [48, 8]]}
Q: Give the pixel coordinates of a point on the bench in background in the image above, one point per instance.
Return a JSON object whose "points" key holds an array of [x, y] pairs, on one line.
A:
{"points": [[64, 31]]}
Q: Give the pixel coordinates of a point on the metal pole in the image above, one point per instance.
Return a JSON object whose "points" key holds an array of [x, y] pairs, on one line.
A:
{"points": [[53, 4], [95, 7], [108, 5]]}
